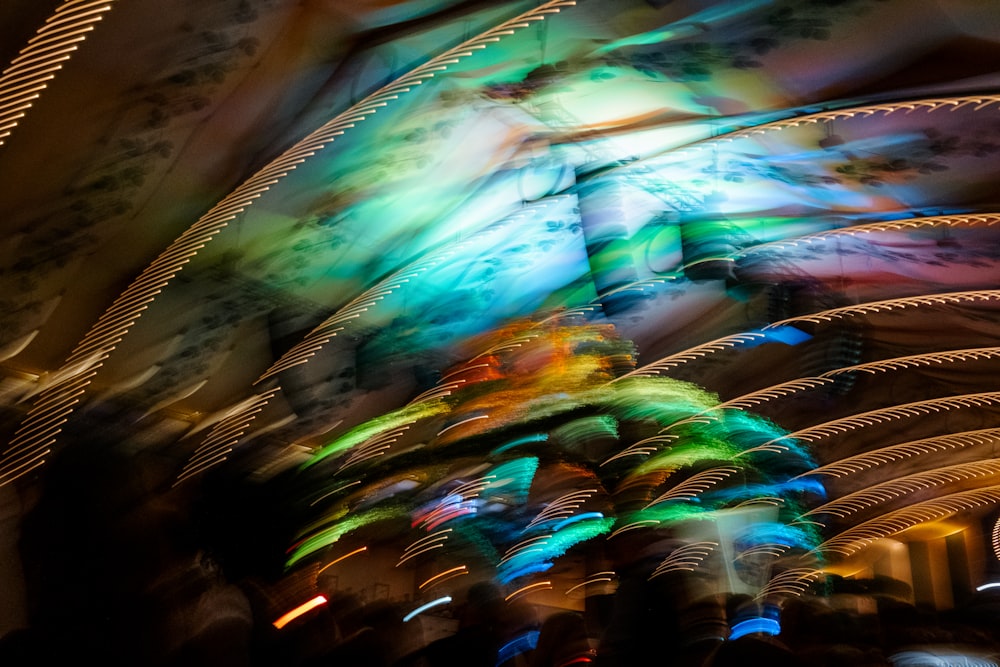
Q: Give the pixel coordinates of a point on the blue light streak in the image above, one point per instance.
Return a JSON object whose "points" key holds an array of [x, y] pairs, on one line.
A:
{"points": [[430, 605]]}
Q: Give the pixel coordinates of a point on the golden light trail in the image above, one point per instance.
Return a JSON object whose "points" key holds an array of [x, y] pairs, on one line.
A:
{"points": [[343, 558], [686, 558], [441, 534], [995, 538], [985, 219], [642, 448], [330, 493], [772, 549], [454, 572], [303, 608], [522, 545], [632, 526], [791, 387], [904, 450], [417, 553], [900, 487], [882, 415], [871, 307], [857, 537], [30, 73], [222, 438], [690, 354], [375, 446], [464, 421], [790, 582], [735, 340], [596, 578], [696, 484], [918, 360], [530, 588], [929, 104], [562, 506], [425, 544]]}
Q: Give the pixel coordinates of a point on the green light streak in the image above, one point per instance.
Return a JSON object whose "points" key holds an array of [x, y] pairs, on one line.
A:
{"points": [[331, 535], [359, 434]]}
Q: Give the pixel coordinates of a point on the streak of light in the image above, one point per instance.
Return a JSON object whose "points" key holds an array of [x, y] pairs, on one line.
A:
{"points": [[428, 538], [464, 421], [417, 553], [330, 493], [522, 545], [344, 557], [430, 605], [633, 526], [596, 578], [578, 517], [445, 517], [454, 572], [303, 608], [530, 588]]}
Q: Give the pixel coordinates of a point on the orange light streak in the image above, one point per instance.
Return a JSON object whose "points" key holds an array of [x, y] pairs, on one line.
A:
{"points": [[345, 556], [317, 601], [455, 571]]}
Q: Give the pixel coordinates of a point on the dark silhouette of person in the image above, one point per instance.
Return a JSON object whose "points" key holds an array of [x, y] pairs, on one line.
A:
{"points": [[481, 630], [562, 641], [753, 650]]}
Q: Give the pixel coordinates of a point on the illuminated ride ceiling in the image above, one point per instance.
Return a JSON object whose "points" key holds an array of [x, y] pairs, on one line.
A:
{"points": [[529, 271]]}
